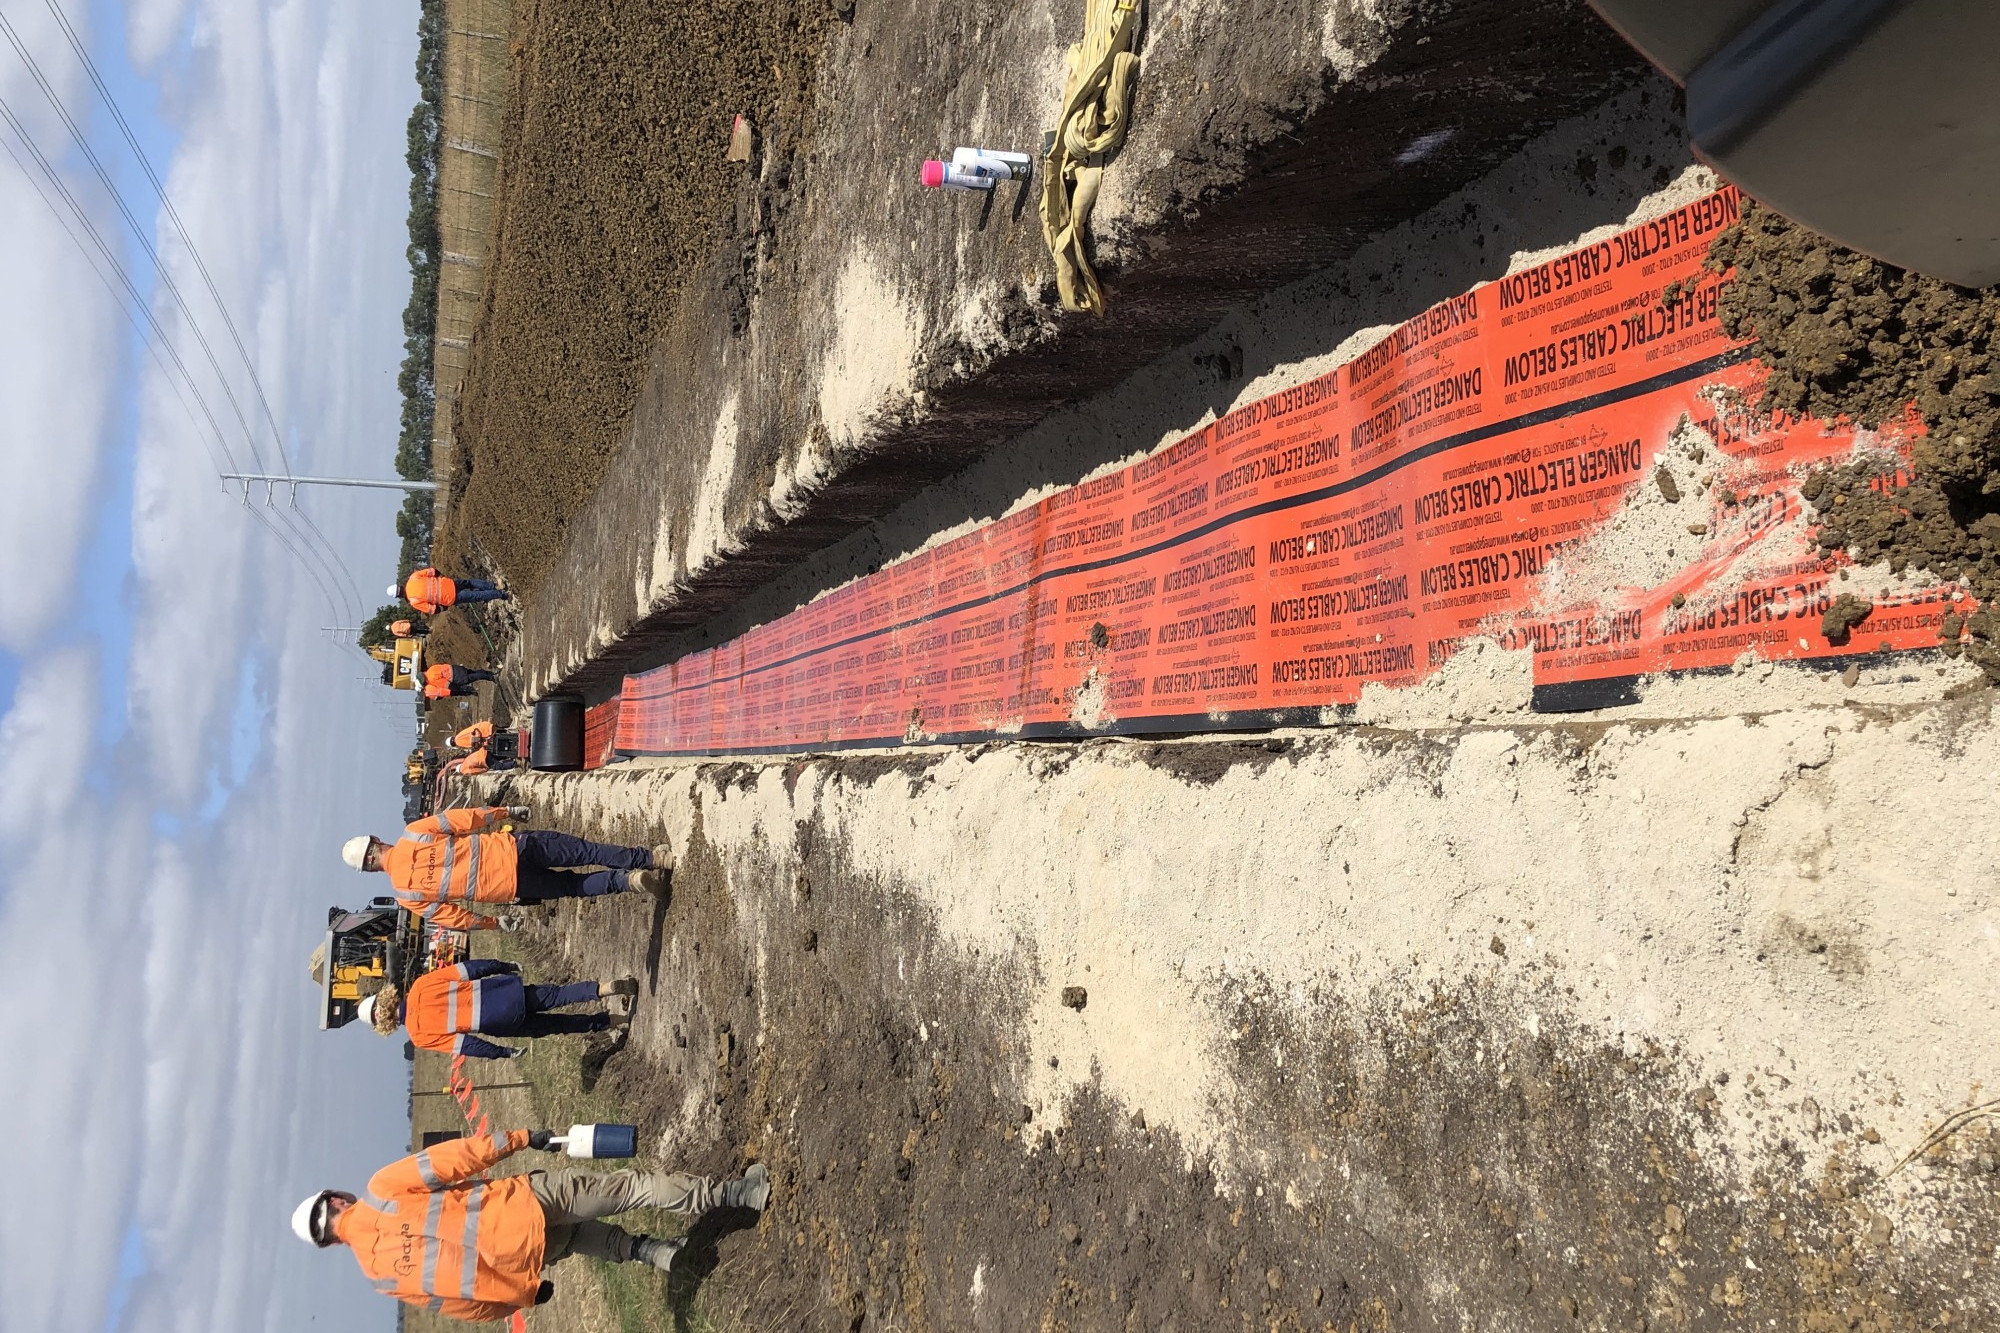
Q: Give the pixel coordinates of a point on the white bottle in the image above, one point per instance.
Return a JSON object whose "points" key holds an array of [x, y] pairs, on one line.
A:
{"points": [[974, 169]]}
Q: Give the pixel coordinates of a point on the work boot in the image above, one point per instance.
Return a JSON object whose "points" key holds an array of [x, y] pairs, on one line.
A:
{"points": [[659, 1253], [619, 986], [753, 1191], [647, 881], [620, 1012], [663, 856]]}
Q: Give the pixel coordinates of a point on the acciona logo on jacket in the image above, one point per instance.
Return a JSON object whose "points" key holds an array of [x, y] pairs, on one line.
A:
{"points": [[406, 1262]]}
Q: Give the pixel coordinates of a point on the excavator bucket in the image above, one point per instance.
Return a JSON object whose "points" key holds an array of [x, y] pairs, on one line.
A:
{"points": [[1874, 122]]}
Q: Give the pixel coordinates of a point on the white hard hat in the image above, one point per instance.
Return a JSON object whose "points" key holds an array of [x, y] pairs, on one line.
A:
{"points": [[393, 590], [365, 1011], [302, 1218], [355, 851]]}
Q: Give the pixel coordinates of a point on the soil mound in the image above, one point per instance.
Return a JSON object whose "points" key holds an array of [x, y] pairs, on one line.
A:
{"points": [[1847, 336], [616, 205]]}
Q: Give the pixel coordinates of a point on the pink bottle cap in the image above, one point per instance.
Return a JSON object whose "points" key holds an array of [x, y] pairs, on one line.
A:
{"points": [[933, 174]]}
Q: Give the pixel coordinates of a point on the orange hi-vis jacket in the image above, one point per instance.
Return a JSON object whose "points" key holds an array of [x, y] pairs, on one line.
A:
{"points": [[429, 591], [446, 1006], [428, 1234], [449, 860], [437, 681], [474, 737]]}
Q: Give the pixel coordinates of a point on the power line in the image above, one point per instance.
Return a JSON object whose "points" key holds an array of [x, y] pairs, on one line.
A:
{"points": [[187, 237], [319, 549], [327, 555], [138, 232], [160, 343], [313, 532]]}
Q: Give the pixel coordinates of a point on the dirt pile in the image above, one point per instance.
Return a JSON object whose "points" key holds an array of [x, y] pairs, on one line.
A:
{"points": [[1847, 336], [616, 205]]}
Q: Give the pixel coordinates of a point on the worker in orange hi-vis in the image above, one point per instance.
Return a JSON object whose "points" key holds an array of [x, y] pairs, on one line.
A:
{"points": [[474, 764], [431, 1232], [402, 629], [431, 592], [476, 760], [448, 864], [453, 1009], [475, 736], [442, 680]]}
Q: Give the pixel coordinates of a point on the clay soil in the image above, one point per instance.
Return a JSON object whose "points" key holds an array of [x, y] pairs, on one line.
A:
{"points": [[616, 206], [914, 1189]]}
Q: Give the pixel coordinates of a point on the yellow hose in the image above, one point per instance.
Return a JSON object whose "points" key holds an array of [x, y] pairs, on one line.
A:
{"points": [[1096, 112]]}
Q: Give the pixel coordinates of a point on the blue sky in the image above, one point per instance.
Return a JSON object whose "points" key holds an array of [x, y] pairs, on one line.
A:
{"points": [[181, 749]]}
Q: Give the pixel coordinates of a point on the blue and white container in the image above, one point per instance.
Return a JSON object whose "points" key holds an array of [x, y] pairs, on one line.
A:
{"points": [[601, 1141]]}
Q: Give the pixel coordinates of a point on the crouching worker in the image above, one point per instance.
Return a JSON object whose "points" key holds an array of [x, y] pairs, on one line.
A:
{"points": [[447, 864], [476, 759], [429, 1233], [444, 1008]]}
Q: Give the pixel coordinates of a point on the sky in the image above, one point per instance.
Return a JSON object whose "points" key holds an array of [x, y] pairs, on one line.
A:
{"points": [[183, 747]]}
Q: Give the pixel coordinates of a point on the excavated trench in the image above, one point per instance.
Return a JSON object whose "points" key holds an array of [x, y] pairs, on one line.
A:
{"points": [[1254, 161], [1656, 1018]]}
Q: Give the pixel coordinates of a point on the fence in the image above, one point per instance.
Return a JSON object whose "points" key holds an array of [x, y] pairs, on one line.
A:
{"points": [[477, 79]]}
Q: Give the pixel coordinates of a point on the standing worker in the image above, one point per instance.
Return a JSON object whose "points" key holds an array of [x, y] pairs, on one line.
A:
{"points": [[432, 1236], [484, 995], [431, 592], [442, 680], [446, 862]]}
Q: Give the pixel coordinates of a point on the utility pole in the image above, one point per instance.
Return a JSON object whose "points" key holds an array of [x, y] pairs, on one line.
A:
{"points": [[274, 481]]}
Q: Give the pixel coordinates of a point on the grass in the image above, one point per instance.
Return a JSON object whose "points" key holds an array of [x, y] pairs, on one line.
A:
{"points": [[636, 1296]]}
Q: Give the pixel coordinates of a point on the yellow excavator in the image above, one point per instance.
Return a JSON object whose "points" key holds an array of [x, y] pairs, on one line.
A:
{"points": [[366, 949], [405, 662]]}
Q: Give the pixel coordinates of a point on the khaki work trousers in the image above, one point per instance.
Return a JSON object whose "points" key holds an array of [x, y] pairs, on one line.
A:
{"points": [[572, 1201]]}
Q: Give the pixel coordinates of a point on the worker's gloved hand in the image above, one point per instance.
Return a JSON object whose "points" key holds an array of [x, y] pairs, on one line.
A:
{"points": [[509, 924], [544, 1292], [518, 812], [540, 1139]]}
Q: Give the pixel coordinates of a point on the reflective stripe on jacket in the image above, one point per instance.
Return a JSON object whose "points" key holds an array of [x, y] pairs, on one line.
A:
{"points": [[428, 1234], [429, 591], [475, 996], [438, 680], [450, 858]]}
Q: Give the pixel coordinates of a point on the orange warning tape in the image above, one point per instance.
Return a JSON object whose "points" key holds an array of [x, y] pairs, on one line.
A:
{"points": [[1358, 527]]}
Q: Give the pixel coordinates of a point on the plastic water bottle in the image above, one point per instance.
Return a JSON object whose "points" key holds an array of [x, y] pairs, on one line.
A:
{"points": [[975, 169]]}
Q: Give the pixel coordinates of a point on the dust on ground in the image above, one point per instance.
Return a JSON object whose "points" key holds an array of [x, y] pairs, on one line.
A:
{"points": [[617, 205], [1847, 336], [1399, 1066]]}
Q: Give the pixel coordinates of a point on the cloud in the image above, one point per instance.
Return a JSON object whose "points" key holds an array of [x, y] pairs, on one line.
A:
{"points": [[61, 330], [160, 886], [151, 29]]}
